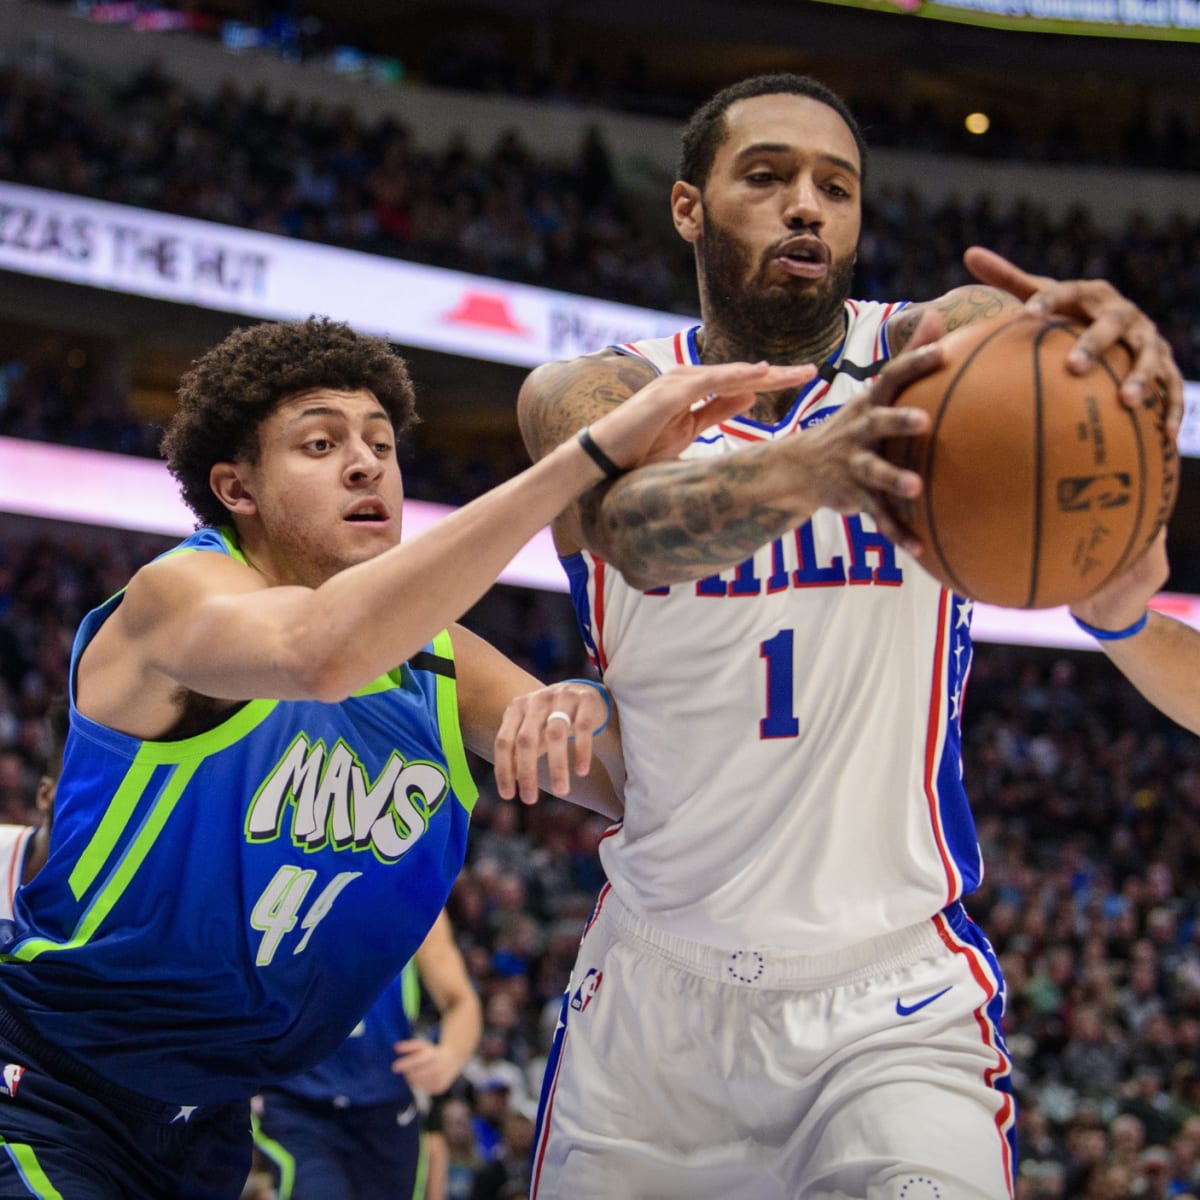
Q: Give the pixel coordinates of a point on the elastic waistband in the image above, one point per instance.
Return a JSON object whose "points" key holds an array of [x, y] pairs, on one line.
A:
{"points": [[67, 1069], [766, 968]]}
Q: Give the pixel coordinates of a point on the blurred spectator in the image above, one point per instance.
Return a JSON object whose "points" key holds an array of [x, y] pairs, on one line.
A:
{"points": [[507, 1175], [454, 1154], [491, 1110]]}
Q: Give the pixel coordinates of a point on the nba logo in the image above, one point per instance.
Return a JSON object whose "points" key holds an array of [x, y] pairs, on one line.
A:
{"points": [[587, 989], [11, 1079]]}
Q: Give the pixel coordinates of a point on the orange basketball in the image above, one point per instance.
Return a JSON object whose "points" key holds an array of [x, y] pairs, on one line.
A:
{"points": [[1040, 485]]}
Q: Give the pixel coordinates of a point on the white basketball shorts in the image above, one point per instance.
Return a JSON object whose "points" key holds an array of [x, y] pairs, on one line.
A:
{"points": [[684, 1072]]}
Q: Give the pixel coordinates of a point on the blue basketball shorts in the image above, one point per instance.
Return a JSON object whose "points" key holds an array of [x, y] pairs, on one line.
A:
{"points": [[71, 1135]]}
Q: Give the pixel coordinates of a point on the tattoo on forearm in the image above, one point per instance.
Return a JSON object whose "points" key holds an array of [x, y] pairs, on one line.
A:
{"points": [[685, 521], [966, 305], [959, 307]]}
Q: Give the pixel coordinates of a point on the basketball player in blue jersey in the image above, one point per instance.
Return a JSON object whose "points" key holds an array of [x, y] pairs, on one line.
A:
{"points": [[264, 793], [780, 995], [350, 1128]]}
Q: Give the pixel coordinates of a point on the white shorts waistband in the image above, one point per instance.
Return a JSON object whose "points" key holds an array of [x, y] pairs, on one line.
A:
{"points": [[773, 968]]}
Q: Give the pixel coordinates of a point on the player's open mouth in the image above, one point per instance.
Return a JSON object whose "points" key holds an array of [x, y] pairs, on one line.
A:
{"points": [[367, 512], [807, 257], [803, 263]]}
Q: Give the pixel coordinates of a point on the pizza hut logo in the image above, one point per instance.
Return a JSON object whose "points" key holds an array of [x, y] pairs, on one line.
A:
{"points": [[485, 310]]}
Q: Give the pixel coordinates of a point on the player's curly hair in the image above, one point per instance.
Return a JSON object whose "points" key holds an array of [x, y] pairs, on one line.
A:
{"points": [[706, 130], [230, 389]]}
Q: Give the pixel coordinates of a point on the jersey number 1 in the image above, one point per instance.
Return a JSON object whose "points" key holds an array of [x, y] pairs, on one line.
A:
{"points": [[780, 721]]}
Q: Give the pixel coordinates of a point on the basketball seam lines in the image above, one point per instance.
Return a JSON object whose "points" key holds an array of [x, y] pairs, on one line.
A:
{"points": [[928, 491]]}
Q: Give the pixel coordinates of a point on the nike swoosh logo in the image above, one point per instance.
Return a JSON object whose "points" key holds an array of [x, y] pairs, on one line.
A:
{"points": [[907, 1010]]}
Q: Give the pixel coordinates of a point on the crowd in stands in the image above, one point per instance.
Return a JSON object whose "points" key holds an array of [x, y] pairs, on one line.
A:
{"points": [[1088, 811], [324, 175], [473, 53]]}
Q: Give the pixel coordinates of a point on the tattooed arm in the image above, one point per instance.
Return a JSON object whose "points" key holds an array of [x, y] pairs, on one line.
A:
{"points": [[961, 306], [1107, 317], [676, 520]]}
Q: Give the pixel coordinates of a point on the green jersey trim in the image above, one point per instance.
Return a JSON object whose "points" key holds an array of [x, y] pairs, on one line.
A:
{"points": [[32, 1173], [114, 887], [284, 1162], [410, 990], [448, 726], [151, 756]]}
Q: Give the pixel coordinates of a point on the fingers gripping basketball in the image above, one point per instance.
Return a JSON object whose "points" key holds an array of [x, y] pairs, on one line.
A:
{"points": [[1039, 485]]}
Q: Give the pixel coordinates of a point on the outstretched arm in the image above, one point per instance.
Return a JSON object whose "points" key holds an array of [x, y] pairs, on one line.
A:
{"points": [[674, 521], [208, 625], [1162, 659]]}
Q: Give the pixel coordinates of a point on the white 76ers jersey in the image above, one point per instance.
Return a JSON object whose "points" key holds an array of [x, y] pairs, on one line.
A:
{"points": [[14, 845], [791, 726]]}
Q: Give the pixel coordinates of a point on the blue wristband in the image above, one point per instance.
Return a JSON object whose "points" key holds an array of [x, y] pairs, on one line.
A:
{"points": [[1113, 635], [607, 702]]}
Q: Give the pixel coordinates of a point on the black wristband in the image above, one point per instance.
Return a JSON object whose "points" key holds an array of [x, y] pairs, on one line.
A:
{"points": [[606, 464]]}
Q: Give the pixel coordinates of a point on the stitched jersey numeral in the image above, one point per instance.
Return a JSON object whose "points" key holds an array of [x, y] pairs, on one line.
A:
{"points": [[278, 908], [780, 721]]}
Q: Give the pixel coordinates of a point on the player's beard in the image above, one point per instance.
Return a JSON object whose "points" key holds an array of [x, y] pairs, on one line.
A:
{"points": [[771, 320]]}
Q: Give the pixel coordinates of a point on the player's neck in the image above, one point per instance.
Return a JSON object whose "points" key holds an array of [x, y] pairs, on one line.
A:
{"points": [[718, 346], [277, 567]]}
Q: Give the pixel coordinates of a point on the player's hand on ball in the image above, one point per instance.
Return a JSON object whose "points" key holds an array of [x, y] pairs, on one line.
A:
{"points": [[841, 456], [1109, 317]]}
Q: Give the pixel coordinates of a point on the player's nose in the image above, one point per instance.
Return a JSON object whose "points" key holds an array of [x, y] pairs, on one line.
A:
{"points": [[802, 202], [361, 460]]}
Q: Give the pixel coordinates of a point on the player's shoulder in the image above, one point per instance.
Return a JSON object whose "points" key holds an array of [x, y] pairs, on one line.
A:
{"points": [[559, 398], [188, 572], [551, 380]]}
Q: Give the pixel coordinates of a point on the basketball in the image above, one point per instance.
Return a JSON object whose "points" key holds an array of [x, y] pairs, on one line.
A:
{"points": [[1040, 485]]}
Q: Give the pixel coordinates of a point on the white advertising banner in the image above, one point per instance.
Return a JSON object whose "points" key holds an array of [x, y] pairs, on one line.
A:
{"points": [[131, 250], [221, 267]]}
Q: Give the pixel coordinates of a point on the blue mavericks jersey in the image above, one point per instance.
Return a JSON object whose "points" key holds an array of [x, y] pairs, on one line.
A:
{"points": [[359, 1071], [219, 912]]}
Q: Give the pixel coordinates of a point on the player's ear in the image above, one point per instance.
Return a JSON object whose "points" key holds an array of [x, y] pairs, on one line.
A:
{"points": [[44, 797], [687, 210], [230, 488]]}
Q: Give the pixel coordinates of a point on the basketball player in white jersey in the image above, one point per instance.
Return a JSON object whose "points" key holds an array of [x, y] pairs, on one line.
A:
{"points": [[23, 848], [780, 995]]}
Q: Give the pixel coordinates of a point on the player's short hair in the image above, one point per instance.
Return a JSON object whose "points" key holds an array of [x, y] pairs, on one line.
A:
{"points": [[707, 129], [232, 388]]}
